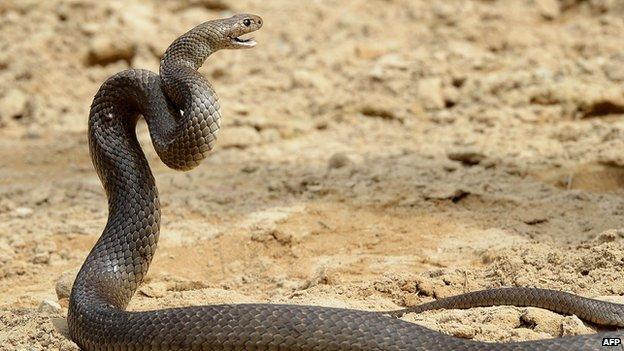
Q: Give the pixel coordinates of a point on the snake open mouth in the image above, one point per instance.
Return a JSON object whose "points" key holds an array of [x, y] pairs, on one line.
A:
{"points": [[248, 42]]}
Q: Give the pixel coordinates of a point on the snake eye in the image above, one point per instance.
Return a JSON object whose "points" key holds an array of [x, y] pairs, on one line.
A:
{"points": [[247, 22]]}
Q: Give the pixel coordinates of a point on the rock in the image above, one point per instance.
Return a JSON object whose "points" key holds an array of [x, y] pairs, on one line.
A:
{"points": [[572, 325], [49, 307], [41, 258], [104, 49], [369, 52], [156, 290], [262, 235], [462, 330], [6, 253], [609, 235], [541, 320], [378, 110], [64, 284], [466, 156], [90, 28], [309, 79], [430, 93], [532, 216], [614, 71], [426, 288], [318, 277], [338, 160], [549, 9], [22, 212], [270, 135], [377, 72], [14, 104], [389, 61], [43, 252], [446, 192], [240, 137], [520, 38], [394, 61]]}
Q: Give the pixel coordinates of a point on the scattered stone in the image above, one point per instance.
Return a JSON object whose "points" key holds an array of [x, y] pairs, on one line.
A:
{"points": [[389, 61], [430, 93], [568, 133], [466, 156], [309, 79], [239, 137], [541, 320], [572, 325], [532, 216], [104, 49], [338, 160], [394, 61], [31, 133], [608, 236], [447, 192], [6, 253], [270, 135], [64, 284], [282, 237], [615, 71], [249, 169], [14, 105], [42, 257], [318, 277], [90, 28], [182, 284], [262, 233], [155, 290], [22, 212], [49, 307], [377, 72], [369, 52], [463, 331], [370, 109], [549, 9]]}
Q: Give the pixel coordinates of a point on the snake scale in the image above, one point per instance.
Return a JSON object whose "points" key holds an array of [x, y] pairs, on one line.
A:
{"points": [[182, 112]]}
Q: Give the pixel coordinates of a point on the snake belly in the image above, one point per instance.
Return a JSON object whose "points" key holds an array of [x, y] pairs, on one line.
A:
{"points": [[182, 112]]}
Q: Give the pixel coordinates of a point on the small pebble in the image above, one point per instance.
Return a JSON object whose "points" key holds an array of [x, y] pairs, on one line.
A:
{"points": [[23, 212], [49, 307], [467, 157], [14, 104], [64, 284], [338, 160]]}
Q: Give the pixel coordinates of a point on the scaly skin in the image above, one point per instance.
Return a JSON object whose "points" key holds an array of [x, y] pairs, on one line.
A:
{"points": [[117, 264]]}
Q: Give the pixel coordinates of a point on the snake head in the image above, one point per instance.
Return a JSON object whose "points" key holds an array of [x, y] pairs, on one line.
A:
{"points": [[237, 26]]}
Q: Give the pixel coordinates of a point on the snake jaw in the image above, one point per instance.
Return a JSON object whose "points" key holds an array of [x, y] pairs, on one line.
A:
{"points": [[243, 42]]}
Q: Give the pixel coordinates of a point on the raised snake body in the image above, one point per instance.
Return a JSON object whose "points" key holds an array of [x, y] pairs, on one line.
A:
{"points": [[182, 113]]}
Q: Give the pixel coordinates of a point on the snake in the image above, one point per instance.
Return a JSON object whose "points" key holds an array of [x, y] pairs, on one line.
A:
{"points": [[183, 116]]}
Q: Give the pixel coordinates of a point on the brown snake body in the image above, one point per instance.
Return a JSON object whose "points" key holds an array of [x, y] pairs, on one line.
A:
{"points": [[182, 113]]}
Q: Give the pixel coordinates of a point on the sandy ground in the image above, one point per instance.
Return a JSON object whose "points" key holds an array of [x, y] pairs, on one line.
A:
{"points": [[374, 154]]}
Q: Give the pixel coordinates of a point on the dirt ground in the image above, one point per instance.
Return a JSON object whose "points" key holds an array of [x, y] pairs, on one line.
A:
{"points": [[374, 154]]}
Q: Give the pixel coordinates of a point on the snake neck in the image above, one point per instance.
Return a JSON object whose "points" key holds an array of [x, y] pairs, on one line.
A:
{"points": [[191, 50], [121, 257]]}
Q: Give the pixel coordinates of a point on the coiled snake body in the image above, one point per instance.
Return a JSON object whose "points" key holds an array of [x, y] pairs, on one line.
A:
{"points": [[182, 113]]}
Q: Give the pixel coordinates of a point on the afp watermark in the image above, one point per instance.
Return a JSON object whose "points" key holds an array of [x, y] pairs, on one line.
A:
{"points": [[611, 341]]}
